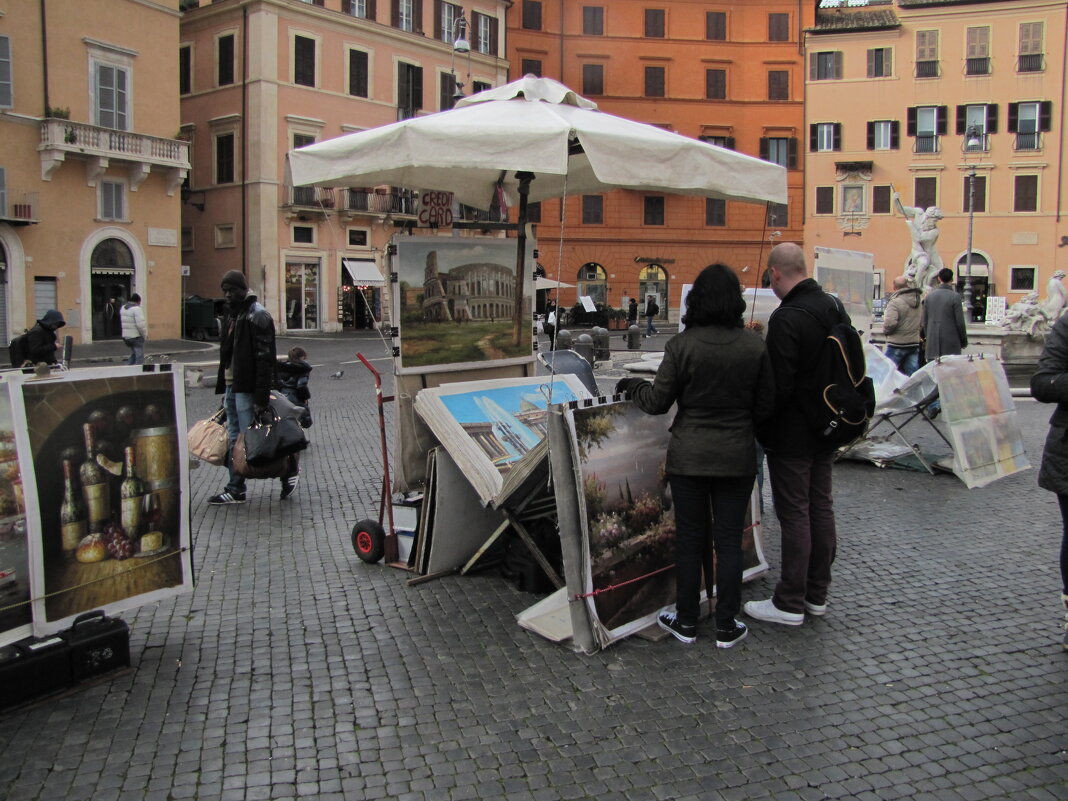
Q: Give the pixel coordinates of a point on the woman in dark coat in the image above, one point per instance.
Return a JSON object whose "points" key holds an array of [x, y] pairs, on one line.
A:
{"points": [[1050, 385], [720, 376]]}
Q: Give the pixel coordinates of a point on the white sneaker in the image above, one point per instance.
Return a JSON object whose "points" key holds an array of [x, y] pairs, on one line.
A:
{"points": [[770, 613], [819, 610]]}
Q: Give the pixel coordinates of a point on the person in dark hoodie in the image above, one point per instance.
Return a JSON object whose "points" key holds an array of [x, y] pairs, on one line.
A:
{"points": [[901, 326], [42, 340], [247, 363]]}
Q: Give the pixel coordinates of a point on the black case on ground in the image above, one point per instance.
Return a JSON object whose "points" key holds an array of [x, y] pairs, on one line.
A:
{"points": [[98, 644], [34, 667]]}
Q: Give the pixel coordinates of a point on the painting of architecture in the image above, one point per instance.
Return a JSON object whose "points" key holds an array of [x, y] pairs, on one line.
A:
{"points": [[460, 303]]}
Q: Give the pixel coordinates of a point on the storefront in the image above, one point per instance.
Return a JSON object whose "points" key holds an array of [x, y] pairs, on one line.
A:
{"points": [[111, 270], [652, 280], [360, 298]]}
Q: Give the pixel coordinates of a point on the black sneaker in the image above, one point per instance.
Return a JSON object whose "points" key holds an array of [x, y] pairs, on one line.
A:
{"points": [[728, 638], [669, 622], [289, 484], [226, 498]]}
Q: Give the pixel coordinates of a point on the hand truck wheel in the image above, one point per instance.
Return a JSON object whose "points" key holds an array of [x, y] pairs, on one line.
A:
{"points": [[369, 540]]}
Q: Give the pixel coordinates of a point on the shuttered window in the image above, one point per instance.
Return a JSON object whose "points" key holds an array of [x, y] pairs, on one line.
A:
{"points": [[111, 97], [716, 84], [224, 59], [654, 81], [358, 73], [716, 26], [1025, 196], [303, 61], [6, 87]]}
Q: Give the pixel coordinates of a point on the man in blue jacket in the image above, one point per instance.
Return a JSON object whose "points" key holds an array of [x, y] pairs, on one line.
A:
{"points": [[799, 463]]}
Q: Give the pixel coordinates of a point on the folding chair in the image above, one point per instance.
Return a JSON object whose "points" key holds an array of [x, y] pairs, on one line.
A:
{"points": [[897, 419]]}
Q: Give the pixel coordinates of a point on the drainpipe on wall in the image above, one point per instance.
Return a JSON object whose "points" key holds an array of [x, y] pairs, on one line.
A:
{"points": [[44, 58], [244, 143]]}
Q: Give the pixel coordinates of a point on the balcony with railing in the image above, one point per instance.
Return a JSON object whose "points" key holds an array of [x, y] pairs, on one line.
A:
{"points": [[379, 200], [318, 198], [925, 143], [104, 146], [1028, 141], [927, 69], [17, 207], [977, 66], [1031, 62]]}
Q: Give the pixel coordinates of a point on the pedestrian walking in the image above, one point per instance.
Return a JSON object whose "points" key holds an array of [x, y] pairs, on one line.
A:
{"points": [[942, 321], [901, 326], [652, 309], [799, 463], [719, 375], [632, 312], [134, 329], [1049, 384], [247, 363]]}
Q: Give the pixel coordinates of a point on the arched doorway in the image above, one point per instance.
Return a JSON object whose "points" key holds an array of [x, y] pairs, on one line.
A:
{"points": [[111, 269], [981, 286], [652, 280], [593, 281]]}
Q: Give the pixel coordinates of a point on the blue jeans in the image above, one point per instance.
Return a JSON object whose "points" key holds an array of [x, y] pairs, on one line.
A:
{"points": [[907, 359], [801, 489], [240, 411], [709, 508], [650, 329], [137, 350]]}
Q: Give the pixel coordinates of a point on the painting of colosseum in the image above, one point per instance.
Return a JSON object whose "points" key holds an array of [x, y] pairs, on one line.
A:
{"points": [[458, 302]]}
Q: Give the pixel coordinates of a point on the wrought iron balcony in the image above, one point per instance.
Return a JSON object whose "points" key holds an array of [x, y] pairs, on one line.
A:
{"points": [[310, 197], [380, 201], [927, 69], [1028, 141], [104, 146], [925, 143], [1031, 62], [18, 208], [977, 66]]}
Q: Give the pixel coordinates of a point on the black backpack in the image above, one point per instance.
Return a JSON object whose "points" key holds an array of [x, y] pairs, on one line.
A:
{"points": [[841, 398], [19, 349]]}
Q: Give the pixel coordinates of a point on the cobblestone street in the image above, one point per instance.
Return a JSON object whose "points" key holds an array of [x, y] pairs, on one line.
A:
{"points": [[296, 671]]}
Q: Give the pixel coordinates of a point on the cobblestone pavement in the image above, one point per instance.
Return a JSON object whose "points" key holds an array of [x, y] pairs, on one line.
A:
{"points": [[296, 671]]}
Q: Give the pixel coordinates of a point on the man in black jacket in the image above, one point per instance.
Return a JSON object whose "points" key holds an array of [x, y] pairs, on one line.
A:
{"points": [[246, 372], [799, 464]]}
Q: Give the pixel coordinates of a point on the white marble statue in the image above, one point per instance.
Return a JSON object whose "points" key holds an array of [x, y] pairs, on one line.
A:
{"points": [[1027, 316], [924, 261], [1056, 297]]}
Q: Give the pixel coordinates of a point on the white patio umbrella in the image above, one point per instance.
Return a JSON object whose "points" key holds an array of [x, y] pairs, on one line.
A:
{"points": [[535, 139], [539, 126], [549, 283]]}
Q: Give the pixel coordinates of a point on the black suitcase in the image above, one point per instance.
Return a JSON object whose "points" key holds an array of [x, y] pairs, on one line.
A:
{"points": [[98, 644], [31, 668]]}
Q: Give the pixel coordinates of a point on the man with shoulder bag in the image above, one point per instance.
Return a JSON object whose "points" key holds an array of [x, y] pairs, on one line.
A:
{"points": [[246, 374], [799, 460]]}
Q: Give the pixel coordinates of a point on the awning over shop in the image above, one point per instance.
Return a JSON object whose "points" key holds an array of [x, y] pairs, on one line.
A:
{"points": [[361, 272], [112, 270]]}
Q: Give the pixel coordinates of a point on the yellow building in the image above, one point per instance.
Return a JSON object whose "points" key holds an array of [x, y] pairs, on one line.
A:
{"points": [[90, 168], [260, 77], [919, 96]]}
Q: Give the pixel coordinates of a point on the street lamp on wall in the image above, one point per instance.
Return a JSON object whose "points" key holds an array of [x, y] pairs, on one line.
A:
{"points": [[972, 143], [460, 44]]}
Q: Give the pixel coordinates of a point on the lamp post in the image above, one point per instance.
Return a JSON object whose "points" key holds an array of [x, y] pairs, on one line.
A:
{"points": [[972, 142]]}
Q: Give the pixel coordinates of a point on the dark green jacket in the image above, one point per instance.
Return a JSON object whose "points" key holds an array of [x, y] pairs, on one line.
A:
{"points": [[721, 380]]}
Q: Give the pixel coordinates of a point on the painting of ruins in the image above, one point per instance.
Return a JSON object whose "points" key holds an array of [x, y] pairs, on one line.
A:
{"points": [[458, 303]]}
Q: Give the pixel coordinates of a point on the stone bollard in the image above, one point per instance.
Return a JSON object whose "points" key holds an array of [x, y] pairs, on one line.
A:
{"points": [[634, 337], [602, 348], [563, 340], [584, 347]]}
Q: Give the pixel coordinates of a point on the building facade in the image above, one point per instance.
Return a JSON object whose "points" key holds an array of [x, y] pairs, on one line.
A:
{"points": [[954, 104], [90, 166], [726, 72], [260, 77]]}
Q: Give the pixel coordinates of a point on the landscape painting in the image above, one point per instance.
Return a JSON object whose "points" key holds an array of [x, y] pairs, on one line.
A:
{"points": [[459, 304], [629, 520]]}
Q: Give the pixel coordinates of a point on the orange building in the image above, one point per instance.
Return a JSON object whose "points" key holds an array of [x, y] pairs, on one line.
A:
{"points": [[89, 165], [260, 77], [919, 97], [727, 72]]}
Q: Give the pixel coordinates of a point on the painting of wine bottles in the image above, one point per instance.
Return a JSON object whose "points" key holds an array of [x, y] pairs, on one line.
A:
{"points": [[105, 487]]}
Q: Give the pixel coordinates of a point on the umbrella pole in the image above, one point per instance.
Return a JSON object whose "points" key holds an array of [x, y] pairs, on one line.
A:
{"points": [[520, 257]]}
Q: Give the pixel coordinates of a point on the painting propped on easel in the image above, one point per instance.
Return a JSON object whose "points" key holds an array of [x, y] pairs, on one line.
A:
{"points": [[459, 305]]}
